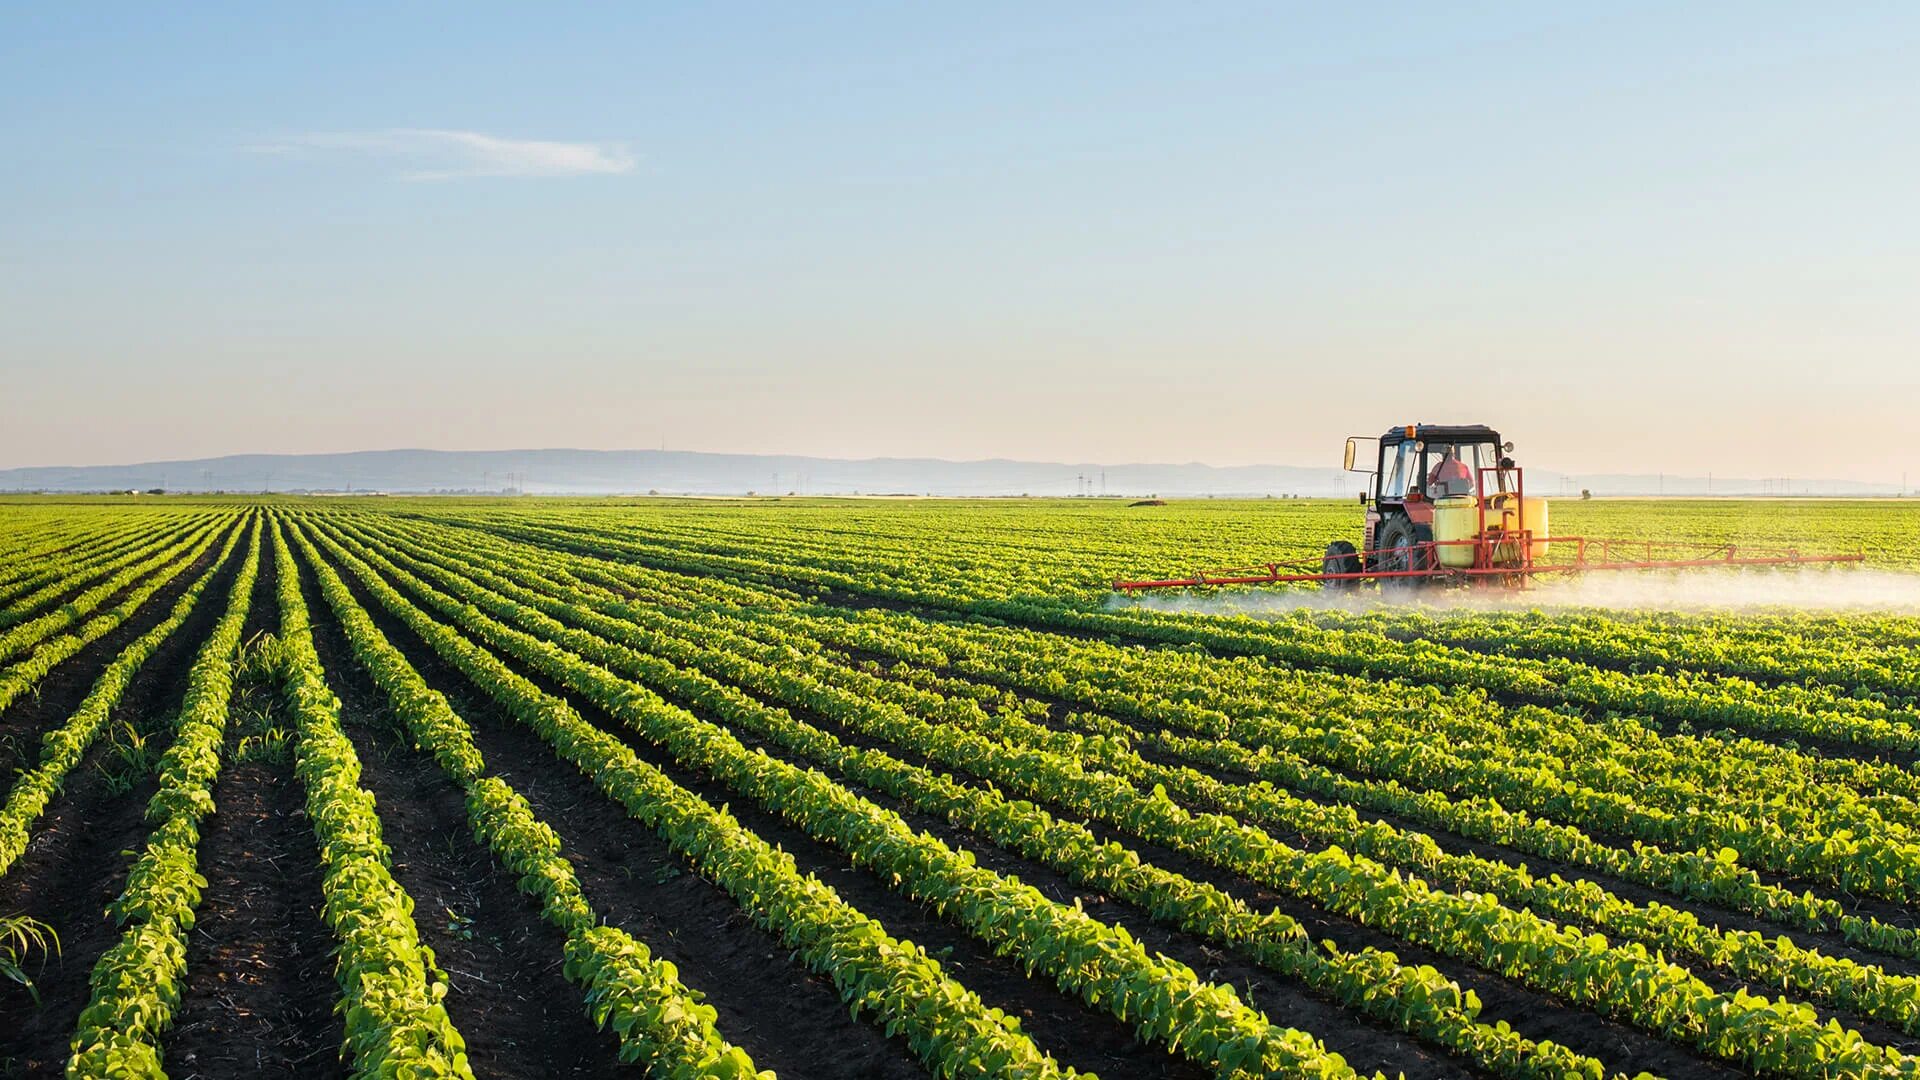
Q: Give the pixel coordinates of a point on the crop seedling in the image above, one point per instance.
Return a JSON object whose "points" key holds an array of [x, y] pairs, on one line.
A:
{"points": [[22, 936]]}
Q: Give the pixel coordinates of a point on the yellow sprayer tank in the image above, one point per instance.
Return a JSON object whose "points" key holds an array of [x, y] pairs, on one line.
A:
{"points": [[1458, 518]]}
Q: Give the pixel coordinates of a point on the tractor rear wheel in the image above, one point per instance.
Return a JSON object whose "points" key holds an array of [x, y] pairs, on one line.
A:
{"points": [[1399, 550], [1341, 558]]}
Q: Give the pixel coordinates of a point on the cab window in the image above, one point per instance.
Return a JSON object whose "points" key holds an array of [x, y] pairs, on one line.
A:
{"points": [[1398, 470]]}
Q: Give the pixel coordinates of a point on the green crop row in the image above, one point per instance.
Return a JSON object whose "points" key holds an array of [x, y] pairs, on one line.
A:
{"points": [[660, 1023], [62, 748], [56, 562], [391, 990], [27, 635], [1625, 981], [136, 983], [1038, 664], [1418, 1000], [1163, 999], [79, 571], [1793, 828], [906, 990]]}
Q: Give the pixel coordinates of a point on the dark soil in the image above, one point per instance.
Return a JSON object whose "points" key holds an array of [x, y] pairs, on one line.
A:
{"points": [[1831, 943], [62, 689], [507, 993], [92, 577], [1366, 1046], [788, 1019], [1371, 1048], [260, 991], [1539, 1015], [77, 861], [259, 988]]}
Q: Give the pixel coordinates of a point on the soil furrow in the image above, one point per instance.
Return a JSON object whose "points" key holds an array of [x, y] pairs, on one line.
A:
{"points": [[788, 1019]]}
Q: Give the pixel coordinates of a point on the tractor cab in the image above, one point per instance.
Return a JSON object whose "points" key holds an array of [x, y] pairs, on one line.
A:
{"points": [[1423, 462], [1416, 469]]}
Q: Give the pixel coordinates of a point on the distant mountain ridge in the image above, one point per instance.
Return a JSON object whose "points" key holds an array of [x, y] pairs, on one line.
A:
{"points": [[681, 472]]}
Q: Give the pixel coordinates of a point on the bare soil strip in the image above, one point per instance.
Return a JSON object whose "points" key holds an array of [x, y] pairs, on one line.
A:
{"points": [[260, 992]]}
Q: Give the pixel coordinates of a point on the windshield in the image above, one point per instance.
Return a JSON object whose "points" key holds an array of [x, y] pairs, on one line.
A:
{"points": [[1454, 468]]}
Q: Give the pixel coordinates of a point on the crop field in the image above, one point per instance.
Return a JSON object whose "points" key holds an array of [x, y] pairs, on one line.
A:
{"points": [[894, 788]]}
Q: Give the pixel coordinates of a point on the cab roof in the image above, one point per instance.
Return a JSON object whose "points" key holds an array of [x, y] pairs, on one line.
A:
{"points": [[1442, 433]]}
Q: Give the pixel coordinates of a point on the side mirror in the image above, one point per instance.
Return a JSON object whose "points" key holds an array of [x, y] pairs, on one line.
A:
{"points": [[1349, 462]]}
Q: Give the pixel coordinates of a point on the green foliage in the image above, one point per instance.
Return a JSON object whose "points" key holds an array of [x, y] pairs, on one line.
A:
{"points": [[22, 936], [137, 983], [841, 664]]}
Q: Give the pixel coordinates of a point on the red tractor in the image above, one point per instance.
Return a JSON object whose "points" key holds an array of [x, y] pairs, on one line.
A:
{"points": [[1448, 504]]}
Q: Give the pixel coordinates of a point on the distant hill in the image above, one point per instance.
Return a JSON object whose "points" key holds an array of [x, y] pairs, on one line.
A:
{"points": [[597, 472], [588, 472]]}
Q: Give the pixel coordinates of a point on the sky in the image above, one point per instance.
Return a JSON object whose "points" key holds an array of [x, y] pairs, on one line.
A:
{"points": [[1633, 237]]}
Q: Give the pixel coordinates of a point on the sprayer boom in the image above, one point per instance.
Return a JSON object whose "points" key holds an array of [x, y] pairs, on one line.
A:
{"points": [[1589, 556]]}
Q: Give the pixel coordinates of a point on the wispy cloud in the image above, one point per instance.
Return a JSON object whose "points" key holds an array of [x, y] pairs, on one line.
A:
{"points": [[436, 154]]}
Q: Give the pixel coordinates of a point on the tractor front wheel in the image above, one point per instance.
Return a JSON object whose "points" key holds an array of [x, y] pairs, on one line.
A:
{"points": [[1341, 558]]}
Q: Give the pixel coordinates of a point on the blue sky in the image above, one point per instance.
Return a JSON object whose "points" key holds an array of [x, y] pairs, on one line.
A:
{"points": [[1633, 238]]}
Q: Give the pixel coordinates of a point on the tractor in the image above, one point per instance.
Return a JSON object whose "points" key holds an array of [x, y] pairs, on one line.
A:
{"points": [[1447, 505]]}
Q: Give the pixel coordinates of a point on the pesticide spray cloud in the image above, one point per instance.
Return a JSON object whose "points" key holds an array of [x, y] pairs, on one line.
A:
{"points": [[1754, 590]]}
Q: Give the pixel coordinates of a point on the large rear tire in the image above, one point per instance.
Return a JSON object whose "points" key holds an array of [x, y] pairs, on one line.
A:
{"points": [[1341, 558]]}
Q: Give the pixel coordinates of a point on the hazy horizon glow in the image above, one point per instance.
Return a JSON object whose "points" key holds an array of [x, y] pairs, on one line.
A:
{"points": [[1634, 238]]}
